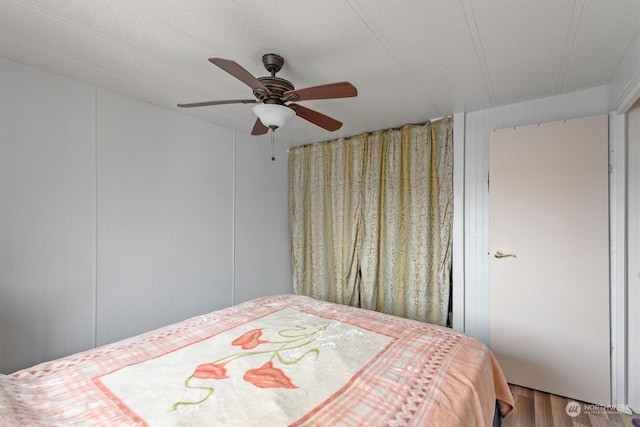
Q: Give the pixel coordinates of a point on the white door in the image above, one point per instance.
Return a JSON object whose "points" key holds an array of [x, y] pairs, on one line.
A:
{"points": [[550, 300]]}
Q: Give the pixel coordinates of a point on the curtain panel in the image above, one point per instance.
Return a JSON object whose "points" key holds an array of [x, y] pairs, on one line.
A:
{"points": [[371, 220]]}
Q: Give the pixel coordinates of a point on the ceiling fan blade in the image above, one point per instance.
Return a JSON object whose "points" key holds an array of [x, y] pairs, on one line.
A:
{"points": [[240, 73], [328, 91], [259, 128], [316, 118], [227, 101]]}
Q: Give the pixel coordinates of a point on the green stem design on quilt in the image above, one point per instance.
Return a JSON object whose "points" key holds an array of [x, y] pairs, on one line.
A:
{"points": [[265, 376]]}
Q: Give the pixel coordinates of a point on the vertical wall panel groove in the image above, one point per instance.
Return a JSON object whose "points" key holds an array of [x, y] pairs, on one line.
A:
{"points": [[94, 326]]}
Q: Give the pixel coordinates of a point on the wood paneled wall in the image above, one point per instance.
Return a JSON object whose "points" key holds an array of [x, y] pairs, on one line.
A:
{"points": [[164, 225], [47, 216], [261, 218], [117, 217]]}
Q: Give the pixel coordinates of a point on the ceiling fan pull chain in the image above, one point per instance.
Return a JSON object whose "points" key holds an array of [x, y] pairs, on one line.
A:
{"points": [[273, 155]]}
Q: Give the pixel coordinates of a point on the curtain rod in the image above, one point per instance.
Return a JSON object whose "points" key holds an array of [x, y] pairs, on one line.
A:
{"points": [[387, 129]]}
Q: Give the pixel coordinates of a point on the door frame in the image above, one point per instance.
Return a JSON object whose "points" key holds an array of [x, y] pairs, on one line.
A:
{"points": [[618, 257], [470, 236]]}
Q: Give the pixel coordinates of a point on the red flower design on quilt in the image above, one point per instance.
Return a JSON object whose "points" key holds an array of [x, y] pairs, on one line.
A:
{"points": [[287, 350], [267, 376], [249, 340], [207, 371]]}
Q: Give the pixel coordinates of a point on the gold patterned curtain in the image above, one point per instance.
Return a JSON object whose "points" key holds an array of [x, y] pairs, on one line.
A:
{"points": [[371, 220]]}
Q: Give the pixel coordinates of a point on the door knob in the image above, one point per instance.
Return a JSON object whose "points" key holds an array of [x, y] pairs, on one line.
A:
{"points": [[499, 254]]}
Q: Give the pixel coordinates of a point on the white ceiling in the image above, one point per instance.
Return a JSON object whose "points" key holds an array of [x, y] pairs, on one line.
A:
{"points": [[411, 60]]}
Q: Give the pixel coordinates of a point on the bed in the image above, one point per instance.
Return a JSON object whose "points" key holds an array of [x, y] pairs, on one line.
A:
{"points": [[274, 361]]}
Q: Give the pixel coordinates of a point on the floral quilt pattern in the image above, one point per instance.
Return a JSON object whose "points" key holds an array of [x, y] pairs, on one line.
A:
{"points": [[286, 356], [267, 375]]}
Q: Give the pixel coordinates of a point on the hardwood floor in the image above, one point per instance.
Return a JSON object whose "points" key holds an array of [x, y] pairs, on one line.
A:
{"points": [[535, 408]]}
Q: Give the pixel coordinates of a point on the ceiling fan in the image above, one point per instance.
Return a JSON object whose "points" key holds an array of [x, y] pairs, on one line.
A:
{"points": [[277, 97]]}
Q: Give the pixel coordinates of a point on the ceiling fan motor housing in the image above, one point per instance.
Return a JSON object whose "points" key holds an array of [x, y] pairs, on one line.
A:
{"points": [[277, 86], [272, 62]]}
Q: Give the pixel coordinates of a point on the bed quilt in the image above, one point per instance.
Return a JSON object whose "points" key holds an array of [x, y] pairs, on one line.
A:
{"points": [[274, 361]]}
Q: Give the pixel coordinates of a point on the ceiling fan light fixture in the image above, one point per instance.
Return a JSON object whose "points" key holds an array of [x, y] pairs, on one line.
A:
{"points": [[273, 115]]}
